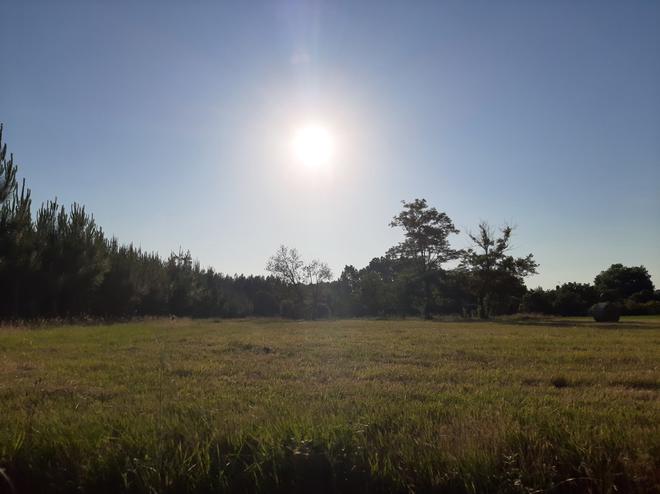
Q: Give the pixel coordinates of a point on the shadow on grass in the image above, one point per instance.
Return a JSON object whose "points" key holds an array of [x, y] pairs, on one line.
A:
{"points": [[574, 323]]}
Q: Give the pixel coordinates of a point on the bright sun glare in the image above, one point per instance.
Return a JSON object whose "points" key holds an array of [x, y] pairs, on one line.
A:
{"points": [[313, 145]]}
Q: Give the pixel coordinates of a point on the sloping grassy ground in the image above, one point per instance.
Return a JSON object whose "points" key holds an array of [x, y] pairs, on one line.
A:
{"points": [[341, 406]]}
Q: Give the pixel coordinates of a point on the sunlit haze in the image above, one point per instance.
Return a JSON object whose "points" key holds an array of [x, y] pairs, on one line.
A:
{"points": [[229, 128]]}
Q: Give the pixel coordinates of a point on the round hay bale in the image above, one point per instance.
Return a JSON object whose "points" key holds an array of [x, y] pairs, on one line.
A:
{"points": [[605, 312]]}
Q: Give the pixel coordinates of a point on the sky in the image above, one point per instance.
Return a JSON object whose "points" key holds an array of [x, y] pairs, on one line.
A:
{"points": [[172, 123]]}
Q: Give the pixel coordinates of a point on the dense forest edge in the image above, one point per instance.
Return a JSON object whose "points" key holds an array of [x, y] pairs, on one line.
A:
{"points": [[57, 263]]}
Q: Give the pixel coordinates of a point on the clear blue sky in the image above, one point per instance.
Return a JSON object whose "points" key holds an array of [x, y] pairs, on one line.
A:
{"points": [[172, 122]]}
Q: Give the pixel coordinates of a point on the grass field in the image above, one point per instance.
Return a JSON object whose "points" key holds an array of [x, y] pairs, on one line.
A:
{"points": [[338, 406]]}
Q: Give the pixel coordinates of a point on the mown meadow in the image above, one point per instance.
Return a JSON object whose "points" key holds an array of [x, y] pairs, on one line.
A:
{"points": [[522, 406]]}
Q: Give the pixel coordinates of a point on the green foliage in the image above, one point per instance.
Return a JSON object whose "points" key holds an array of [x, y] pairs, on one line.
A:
{"points": [[426, 245], [537, 301], [59, 264], [574, 299], [631, 307], [301, 279], [317, 274], [265, 304], [426, 233], [7, 171], [290, 309], [619, 282], [17, 251], [497, 277], [62, 266]]}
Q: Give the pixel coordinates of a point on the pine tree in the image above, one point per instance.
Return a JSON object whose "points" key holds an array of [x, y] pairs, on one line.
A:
{"points": [[7, 171]]}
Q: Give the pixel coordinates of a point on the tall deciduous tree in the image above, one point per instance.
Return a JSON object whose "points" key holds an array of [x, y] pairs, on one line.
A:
{"points": [[316, 273], [426, 243], [491, 266], [286, 265]]}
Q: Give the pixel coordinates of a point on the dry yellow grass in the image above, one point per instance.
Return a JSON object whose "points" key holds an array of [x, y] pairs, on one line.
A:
{"points": [[334, 406]]}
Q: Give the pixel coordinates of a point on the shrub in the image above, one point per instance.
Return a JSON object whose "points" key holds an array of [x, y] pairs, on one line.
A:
{"points": [[632, 308]]}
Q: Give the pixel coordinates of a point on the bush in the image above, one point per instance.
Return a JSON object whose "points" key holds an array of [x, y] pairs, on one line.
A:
{"points": [[633, 308]]}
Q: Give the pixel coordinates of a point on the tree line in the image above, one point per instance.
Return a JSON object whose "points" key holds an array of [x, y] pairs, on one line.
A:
{"points": [[58, 263]]}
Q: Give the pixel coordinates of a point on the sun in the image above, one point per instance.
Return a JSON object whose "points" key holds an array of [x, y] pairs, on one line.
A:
{"points": [[313, 145]]}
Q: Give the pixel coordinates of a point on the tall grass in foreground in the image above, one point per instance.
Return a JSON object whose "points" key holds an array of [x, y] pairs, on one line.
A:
{"points": [[347, 406]]}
